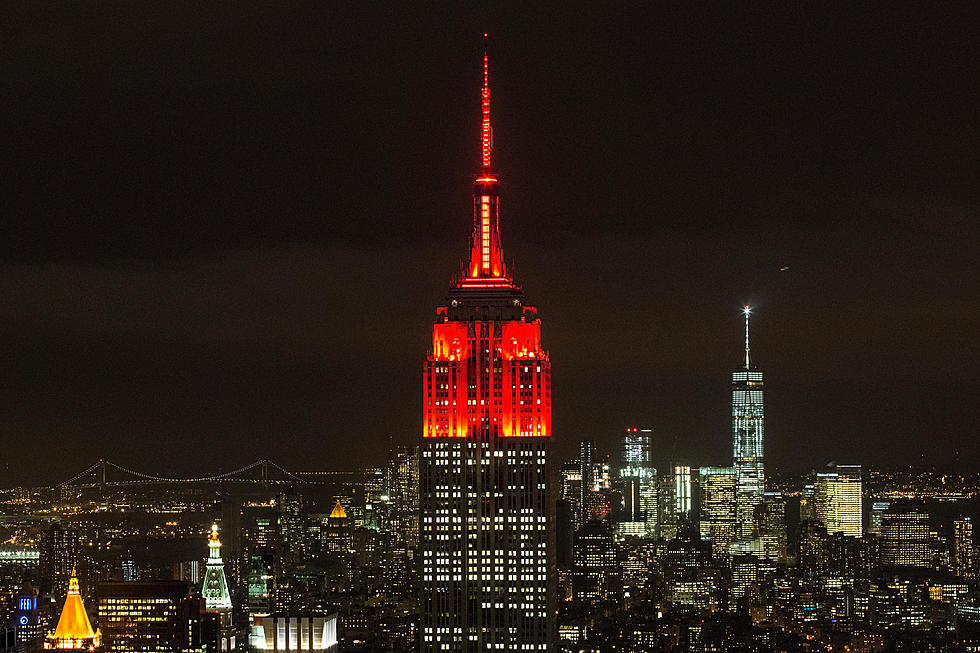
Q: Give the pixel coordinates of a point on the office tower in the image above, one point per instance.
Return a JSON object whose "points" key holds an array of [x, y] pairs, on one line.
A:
{"points": [[717, 519], [74, 631], [745, 571], [150, 616], [290, 531], [130, 570], [337, 534], [962, 554], [232, 550], [847, 557], [747, 434], [59, 557], [905, 536], [772, 526], [878, 509], [596, 575], [404, 492], [261, 579], [588, 477], [682, 492], [808, 504], [214, 590], [486, 540], [837, 498], [638, 482], [687, 573], [814, 549], [667, 504], [570, 490], [290, 548]]}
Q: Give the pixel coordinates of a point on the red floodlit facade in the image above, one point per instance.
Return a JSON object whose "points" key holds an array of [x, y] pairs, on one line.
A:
{"points": [[486, 371]]}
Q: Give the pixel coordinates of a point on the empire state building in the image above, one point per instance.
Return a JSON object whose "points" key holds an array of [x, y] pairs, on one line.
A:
{"points": [[485, 511]]}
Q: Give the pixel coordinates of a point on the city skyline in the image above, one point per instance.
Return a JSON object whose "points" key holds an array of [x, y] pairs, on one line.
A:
{"points": [[189, 249]]}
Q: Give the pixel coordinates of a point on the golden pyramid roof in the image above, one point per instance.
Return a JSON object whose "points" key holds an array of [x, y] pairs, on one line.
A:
{"points": [[338, 511], [74, 623]]}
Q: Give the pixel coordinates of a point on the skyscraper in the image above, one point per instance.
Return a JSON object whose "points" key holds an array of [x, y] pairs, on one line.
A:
{"points": [[837, 494], [717, 519], [905, 535], [485, 577], [596, 574], [638, 482], [59, 557], [962, 557], [747, 437], [683, 503]]}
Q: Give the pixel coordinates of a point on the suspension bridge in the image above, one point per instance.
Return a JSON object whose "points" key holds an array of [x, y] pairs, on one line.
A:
{"points": [[106, 472]]}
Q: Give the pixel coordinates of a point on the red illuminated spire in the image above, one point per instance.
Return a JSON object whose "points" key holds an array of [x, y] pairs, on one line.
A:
{"points": [[486, 139], [486, 255]]}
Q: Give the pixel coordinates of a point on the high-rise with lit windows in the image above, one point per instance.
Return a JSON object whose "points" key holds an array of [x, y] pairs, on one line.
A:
{"points": [[837, 493], [485, 572], [638, 483], [747, 439], [717, 518]]}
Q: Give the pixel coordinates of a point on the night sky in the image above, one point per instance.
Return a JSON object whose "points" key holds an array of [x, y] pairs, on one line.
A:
{"points": [[226, 226]]}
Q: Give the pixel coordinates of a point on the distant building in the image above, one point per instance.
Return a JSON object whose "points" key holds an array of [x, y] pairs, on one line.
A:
{"points": [[838, 499], [748, 416], [878, 508], [638, 483], [156, 616], [962, 552], [59, 557], [294, 633], [717, 518], [404, 493], [905, 538], [772, 526], [261, 577], [596, 575], [214, 590], [337, 534], [813, 558], [682, 492], [74, 631]]}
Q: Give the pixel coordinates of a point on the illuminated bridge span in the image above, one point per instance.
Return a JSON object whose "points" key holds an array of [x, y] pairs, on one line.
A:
{"points": [[260, 467]]}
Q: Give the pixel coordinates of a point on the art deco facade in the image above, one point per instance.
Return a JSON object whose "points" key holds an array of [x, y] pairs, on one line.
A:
{"points": [[485, 510]]}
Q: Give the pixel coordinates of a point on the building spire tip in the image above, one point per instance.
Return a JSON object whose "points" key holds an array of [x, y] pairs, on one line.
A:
{"points": [[747, 310], [486, 137]]}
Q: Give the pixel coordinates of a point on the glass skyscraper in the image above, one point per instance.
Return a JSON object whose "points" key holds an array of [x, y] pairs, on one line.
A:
{"points": [[748, 416], [638, 481]]}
